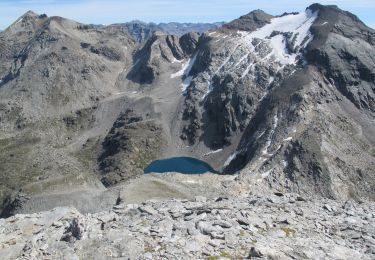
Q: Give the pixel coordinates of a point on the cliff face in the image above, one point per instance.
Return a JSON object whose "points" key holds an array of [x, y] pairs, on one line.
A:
{"points": [[287, 102]]}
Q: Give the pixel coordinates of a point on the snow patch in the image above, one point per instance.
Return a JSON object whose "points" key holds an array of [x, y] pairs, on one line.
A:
{"points": [[186, 83], [190, 181], [213, 152], [186, 68], [19, 20], [225, 62], [182, 71], [324, 23], [247, 70], [209, 89], [280, 50], [135, 64], [285, 163], [275, 122], [270, 81], [268, 143], [288, 139], [191, 64], [241, 60], [297, 24], [261, 134], [265, 150], [230, 159], [118, 93], [176, 60], [266, 174], [185, 71], [263, 96]]}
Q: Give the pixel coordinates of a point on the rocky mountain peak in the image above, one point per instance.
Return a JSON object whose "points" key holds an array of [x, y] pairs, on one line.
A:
{"points": [[249, 22], [30, 14], [333, 49], [333, 10], [28, 21], [160, 51], [319, 7]]}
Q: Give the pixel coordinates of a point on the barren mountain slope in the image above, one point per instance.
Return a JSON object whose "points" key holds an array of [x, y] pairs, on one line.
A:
{"points": [[291, 104], [55, 78]]}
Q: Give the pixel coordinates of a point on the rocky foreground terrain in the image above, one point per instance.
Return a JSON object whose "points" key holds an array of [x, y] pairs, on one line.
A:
{"points": [[273, 226]]}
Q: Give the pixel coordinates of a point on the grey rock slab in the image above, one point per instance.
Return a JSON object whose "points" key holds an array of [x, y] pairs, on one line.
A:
{"points": [[148, 210], [222, 223]]}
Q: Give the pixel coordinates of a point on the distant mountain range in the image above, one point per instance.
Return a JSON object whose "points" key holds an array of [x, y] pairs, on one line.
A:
{"points": [[142, 31]]}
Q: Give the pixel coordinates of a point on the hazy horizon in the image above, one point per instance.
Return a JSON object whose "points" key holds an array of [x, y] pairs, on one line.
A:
{"points": [[115, 11]]}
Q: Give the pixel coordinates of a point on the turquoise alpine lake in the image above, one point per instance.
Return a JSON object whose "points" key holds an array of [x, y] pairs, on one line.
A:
{"points": [[185, 165]]}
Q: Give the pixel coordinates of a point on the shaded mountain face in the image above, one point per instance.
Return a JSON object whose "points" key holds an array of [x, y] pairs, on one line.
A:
{"points": [[141, 31], [280, 91], [285, 102]]}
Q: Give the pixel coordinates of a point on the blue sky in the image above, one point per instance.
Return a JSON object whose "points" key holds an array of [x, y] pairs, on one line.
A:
{"points": [[112, 11]]}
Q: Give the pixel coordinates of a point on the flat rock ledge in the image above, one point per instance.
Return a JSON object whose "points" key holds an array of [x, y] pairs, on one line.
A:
{"points": [[276, 226]]}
